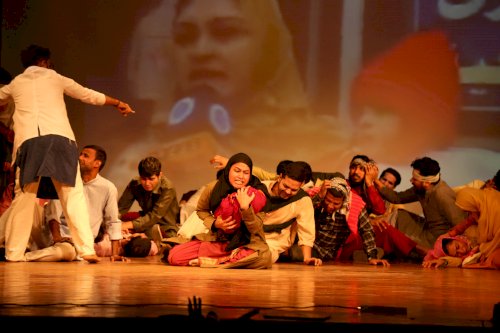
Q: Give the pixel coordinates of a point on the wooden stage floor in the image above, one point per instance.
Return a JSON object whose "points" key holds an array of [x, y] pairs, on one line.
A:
{"points": [[348, 297]]}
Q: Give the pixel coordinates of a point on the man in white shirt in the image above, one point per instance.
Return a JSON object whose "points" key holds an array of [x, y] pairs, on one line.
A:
{"points": [[102, 200], [45, 152], [290, 214]]}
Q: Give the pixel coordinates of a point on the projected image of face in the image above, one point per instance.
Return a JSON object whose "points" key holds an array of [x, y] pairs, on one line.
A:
{"points": [[216, 49], [394, 97], [378, 130], [218, 76], [317, 81], [231, 60]]}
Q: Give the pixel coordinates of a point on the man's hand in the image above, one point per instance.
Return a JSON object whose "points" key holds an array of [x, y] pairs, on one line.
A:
{"points": [[371, 173], [379, 223], [55, 230], [115, 250], [436, 263], [124, 108], [116, 257], [244, 199], [376, 262], [313, 261], [219, 162], [324, 187], [228, 225], [127, 226]]}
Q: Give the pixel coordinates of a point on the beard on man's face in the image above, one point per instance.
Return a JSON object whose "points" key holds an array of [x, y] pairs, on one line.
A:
{"points": [[419, 190]]}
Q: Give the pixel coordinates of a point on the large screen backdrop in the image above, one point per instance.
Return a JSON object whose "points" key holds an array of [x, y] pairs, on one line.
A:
{"points": [[311, 80]]}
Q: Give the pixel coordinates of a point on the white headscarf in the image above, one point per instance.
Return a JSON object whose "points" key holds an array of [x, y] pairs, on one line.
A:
{"points": [[340, 184]]}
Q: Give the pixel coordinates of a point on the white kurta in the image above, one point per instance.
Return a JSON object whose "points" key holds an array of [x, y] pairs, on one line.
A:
{"points": [[38, 95]]}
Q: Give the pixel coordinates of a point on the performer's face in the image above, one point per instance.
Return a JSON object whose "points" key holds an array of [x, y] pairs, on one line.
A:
{"points": [[149, 183], [239, 175], [331, 203], [457, 248]]}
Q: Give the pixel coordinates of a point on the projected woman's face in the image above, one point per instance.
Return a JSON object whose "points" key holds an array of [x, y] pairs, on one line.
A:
{"points": [[216, 49]]}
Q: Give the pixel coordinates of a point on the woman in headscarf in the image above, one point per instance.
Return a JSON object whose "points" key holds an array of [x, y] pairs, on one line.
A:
{"points": [[450, 251], [483, 207], [486, 204], [228, 208]]}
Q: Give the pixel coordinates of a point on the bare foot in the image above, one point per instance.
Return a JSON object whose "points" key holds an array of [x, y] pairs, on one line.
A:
{"points": [[91, 259], [194, 262]]}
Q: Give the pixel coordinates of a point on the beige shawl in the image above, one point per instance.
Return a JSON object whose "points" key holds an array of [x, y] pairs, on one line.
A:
{"points": [[487, 203]]}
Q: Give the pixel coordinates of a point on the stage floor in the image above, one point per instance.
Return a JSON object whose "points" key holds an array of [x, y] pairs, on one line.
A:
{"points": [[352, 297]]}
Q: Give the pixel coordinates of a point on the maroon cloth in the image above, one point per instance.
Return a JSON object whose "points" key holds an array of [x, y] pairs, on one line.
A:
{"points": [[130, 216]]}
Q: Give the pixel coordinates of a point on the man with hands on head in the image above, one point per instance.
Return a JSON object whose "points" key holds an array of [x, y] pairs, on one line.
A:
{"points": [[338, 213]]}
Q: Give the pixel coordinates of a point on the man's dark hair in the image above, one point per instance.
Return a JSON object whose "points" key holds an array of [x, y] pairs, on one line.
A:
{"points": [[393, 172], [308, 169], [33, 54], [137, 247], [496, 180], [149, 166], [280, 168], [299, 171], [100, 154], [426, 166], [5, 76], [186, 196]]}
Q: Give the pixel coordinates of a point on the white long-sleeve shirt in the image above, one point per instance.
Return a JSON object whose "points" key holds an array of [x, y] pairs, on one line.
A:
{"points": [[38, 94], [102, 201]]}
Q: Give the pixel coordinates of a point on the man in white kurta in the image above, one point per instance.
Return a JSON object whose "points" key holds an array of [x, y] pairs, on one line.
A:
{"points": [[290, 214], [45, 149]]}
